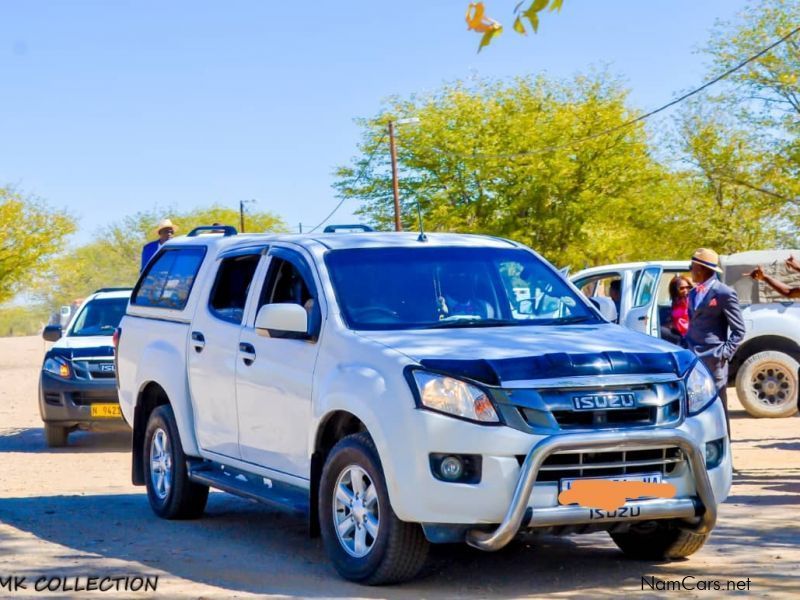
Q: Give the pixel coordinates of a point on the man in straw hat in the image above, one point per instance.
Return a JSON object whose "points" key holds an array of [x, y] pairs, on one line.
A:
{"points": [[716, 327], [164, 230]]}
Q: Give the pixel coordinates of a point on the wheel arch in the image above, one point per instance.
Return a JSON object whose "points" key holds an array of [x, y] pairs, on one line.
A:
{"points": [[334, 426], [151, 395], [760, 344]]}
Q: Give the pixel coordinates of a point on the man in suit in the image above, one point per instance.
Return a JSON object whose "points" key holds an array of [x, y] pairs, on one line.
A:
{"points": [[164, 230], [716, 327]]}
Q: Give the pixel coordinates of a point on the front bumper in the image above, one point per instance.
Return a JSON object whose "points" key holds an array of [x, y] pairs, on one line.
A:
{"points": [[702, 508], [69, 401]]}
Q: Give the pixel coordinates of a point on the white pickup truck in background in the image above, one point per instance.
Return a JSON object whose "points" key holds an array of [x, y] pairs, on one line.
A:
{"points": [[765, 368]]}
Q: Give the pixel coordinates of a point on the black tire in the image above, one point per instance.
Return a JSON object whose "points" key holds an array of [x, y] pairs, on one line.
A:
{"points": [[55, 436], [399, 549], [767, 384], [183, 499], [659, 540]]}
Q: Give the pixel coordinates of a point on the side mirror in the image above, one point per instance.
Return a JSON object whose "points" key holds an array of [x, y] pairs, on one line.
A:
{"points": [[52, 333], [606, 307], [280, 319]]}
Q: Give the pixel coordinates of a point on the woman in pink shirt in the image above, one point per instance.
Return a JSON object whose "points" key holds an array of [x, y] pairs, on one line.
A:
{"points": [[679, 288]]}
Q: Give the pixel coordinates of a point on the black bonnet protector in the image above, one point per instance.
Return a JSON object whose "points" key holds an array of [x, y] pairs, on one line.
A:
{"points": [[562, 364], [78, 353]]}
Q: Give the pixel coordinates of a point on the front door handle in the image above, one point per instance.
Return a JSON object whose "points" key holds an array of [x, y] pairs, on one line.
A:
{"points": [[198, 341], [247, 352]]}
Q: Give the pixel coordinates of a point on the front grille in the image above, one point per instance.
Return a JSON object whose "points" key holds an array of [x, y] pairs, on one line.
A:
{"points": [[94, 369], [91, 397], [610, 463], [567, 419]]}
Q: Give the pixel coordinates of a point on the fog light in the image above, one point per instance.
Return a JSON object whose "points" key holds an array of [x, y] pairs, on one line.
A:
{"points": [[456, 468], [715, 450], [451, 468]]}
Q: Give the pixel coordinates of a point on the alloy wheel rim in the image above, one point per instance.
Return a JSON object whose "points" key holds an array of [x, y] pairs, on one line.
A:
{"points": [[773, 385], [161, 464], [356, 511]]}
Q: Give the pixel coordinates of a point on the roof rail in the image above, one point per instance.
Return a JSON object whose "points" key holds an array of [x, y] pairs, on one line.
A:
{"points": [[113, 289], [227, 230], [354, 227]]}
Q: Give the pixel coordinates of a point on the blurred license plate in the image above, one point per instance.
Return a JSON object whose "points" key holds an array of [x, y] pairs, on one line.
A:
{"points": [[106, 411], [644, 477]]}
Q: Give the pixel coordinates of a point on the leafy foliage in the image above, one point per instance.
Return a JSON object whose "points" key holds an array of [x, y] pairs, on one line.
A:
{"points": [[525, 11], [501, 159], [32, 232]]}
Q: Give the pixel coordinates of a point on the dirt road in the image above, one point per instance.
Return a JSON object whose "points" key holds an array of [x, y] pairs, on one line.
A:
{"points": [[73, 512]]}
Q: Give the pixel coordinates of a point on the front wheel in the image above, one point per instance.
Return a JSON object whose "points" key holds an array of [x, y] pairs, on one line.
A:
{"points": [[657, 540], [767, 385], [55, 436], [171, 493], [363, 537]]}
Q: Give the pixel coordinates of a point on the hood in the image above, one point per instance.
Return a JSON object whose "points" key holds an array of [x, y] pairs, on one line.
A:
{"points": [[95, 345], [496, 355]]}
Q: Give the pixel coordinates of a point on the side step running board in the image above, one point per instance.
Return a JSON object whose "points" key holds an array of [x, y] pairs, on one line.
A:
{"points": [[276, 494]]}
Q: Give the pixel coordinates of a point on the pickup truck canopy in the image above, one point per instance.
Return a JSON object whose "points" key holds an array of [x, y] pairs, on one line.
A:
{"points": [[737, 266]]}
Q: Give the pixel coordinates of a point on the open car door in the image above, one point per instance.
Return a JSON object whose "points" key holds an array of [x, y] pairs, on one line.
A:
{"points": [[643, 314]]}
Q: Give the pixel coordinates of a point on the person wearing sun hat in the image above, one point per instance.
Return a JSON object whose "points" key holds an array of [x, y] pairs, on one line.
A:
{"points": [[716, 327], [164, 230]]}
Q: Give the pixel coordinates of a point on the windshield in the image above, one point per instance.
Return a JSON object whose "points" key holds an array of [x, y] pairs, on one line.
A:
{"points": [[425, 288], [99, 317]]}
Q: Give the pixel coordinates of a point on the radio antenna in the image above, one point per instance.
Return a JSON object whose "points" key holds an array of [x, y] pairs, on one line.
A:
{"points": [[422, 237]]}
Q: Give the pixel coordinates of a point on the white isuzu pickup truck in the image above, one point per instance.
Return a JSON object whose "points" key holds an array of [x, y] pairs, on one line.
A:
{"points": [[400, 390]]}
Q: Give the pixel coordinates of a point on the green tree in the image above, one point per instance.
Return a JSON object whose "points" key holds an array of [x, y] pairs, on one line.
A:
{"points": [[765, 95], [113, 259], [32, 232], [571, 202]]}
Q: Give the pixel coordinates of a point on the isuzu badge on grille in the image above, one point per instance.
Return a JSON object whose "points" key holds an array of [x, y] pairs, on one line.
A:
{"points": [[604, 401]]}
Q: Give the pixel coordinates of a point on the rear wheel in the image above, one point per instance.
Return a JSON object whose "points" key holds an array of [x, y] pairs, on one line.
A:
{"points": [[658, 540], [171, 493], [363, 537], [55, 435], [767, 384]]}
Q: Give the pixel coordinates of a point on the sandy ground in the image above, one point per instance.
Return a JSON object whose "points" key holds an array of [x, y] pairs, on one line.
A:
{"points": [[73, 512]]}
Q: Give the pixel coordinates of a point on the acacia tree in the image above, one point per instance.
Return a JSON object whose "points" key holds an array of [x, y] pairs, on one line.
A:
{"points": [[32, 232]]}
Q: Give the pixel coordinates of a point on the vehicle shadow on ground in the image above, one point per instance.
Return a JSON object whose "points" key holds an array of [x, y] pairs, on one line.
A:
{"points": [[31, 440], [283, 560]]}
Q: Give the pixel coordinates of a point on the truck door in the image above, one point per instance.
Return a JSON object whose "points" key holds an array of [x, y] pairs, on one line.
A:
{"points": [[213, 351], [274, 374], [642, 315]]}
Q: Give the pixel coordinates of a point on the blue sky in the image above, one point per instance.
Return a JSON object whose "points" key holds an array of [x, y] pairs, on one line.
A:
{"points": [[109, 107]]}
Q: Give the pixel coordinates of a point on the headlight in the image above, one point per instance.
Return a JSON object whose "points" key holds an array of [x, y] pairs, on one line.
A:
{"points": [[57, 366], [700, 388], [454, 397]]}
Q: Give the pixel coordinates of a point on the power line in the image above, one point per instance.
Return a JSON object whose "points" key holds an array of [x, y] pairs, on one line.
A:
{"points": [[647, 115], [356, 180]]}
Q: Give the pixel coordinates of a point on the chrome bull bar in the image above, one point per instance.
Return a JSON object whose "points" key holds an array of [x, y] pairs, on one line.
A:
{"points": [[611, 440]]}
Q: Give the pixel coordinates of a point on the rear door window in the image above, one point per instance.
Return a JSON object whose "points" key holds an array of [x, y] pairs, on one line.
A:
{"points": [[231, 287], [168, 279]]}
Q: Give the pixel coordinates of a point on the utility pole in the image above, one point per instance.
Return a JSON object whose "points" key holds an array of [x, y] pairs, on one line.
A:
{"points": [[395, 182], [241, 213]]}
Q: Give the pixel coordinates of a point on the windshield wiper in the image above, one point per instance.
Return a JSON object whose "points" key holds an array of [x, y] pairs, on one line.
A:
{"points": [[569, 320], [472, 322]]}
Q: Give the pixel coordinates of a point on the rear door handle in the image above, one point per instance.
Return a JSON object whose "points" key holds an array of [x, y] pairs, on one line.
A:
{"points": [[198, 341], [247, 352]]}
